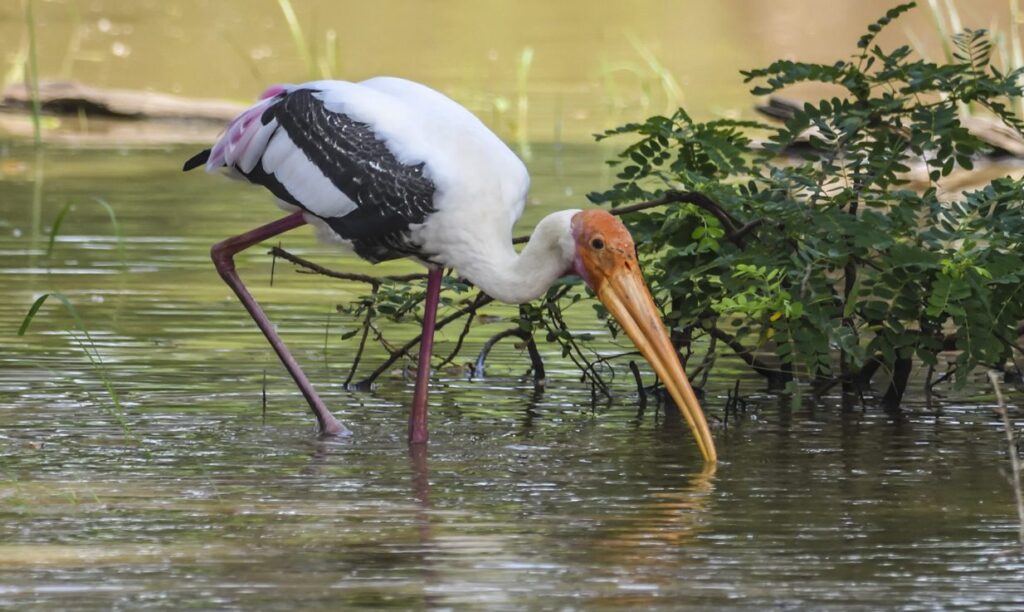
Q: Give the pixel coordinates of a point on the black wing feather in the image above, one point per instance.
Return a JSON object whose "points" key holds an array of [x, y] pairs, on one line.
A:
{"points": [[389, 195]]}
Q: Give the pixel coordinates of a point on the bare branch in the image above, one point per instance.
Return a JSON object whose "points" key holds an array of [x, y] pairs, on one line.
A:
{"points": [[482, 299], [734, 231], [362, 342], [458, 343], [373, 281], [536, 363], [744, 353]]}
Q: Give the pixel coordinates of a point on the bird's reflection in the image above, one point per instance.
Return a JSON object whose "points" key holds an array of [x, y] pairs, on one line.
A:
{"points": [[421, 489], [670, 517]]}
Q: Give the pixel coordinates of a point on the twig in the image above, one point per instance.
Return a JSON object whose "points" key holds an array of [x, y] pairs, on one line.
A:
{"points": [[536, 362], [928, 385], [373, 281], [575, 353], [263, 413], [733, 230], [592, 366], [1012, 447], [367, 322], [640, 392], [458, 343], [482, 299], [485, 350], [273, 265], [949, 374], [704, 369], [744, 353]]}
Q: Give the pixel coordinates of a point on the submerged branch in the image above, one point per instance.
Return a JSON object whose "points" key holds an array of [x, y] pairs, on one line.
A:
{"points": [[536, 363]]}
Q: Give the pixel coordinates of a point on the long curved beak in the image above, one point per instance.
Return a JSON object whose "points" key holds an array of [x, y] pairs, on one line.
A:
{"points": [[626, 296]]}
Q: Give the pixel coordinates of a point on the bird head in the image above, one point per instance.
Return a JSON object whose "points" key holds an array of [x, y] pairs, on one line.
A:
{"points": [[606, 260]]}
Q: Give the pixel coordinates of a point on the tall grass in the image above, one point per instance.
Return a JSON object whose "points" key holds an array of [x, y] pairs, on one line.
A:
{"points": [[666, 80], [298, 37], [1011, 444], [622, 79], [522, 129], [320, 63], [58, 221], [88, 346], [1016, 53], [946, 12], [32, 73]]}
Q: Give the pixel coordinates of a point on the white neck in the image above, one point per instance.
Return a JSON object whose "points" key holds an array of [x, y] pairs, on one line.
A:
{"points": [[515, 278]]}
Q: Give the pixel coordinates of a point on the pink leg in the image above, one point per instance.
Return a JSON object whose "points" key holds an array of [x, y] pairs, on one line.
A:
{"points": [[418, 414], [222, 254]]}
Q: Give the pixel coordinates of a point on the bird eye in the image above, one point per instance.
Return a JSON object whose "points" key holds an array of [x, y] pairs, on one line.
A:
{"points": [[597, 243]]}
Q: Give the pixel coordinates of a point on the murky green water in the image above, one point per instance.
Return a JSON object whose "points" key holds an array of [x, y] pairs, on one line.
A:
{"points": [[524, 498]]}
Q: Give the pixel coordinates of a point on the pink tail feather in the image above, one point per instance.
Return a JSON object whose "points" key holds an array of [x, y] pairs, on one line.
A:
{"points": [[233, 145]]}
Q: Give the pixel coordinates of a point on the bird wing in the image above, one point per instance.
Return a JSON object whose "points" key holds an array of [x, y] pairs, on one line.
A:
{"points": [[329, 164]]}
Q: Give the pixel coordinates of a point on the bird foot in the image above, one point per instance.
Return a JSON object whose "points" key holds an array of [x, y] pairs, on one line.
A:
{"points": [[334, 428]]}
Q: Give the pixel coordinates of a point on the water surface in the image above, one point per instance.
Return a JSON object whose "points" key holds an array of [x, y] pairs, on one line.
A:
{"points": [[523, 498]]}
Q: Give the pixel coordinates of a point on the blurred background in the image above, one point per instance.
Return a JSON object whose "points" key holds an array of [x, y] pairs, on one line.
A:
{"points": [[533, 70]]}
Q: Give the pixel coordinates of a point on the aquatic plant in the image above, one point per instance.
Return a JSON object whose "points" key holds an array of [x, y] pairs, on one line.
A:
{"points": [[829, 267]]}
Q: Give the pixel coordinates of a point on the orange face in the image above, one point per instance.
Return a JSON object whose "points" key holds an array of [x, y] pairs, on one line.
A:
{"points": [[603, 246], [606, 259]]}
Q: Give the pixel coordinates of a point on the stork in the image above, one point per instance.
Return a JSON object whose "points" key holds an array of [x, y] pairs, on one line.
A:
{"points": [[390, 168]]}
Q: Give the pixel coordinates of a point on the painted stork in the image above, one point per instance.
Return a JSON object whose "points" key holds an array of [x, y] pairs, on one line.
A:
{"points": [[391, 168]]}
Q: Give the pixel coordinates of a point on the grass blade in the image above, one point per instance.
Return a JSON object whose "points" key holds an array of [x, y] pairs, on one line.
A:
{"points": [[33, 73], [58, 221], [301, 46], [31, 314], [90, 350], [117, 227], [55, 228]]}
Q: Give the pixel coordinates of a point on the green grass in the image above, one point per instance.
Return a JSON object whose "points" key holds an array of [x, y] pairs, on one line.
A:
{"points": [[58, 221], [320, 63], [88, 346], [32, 72], [1016, 53]]}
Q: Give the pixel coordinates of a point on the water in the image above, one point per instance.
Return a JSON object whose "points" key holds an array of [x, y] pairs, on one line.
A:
{"points": [[207, 495], [524, 498]]}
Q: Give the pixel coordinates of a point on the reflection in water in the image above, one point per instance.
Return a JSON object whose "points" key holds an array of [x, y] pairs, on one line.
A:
{"points": [[672, 518]]}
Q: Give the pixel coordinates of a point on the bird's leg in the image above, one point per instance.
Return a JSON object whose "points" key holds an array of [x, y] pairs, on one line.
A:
{"points": [[418, 413], [222, 254]]}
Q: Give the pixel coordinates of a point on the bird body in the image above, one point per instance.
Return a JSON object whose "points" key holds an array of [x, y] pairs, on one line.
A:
{"points": [[392, 168], [369, 162]]}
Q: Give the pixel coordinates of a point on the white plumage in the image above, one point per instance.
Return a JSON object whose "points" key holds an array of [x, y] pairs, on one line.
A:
{"points": [[481, 185], [395, 169]]}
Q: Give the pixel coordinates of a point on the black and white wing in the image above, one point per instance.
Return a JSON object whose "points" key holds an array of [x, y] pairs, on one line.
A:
{"points": [[337, 168]]}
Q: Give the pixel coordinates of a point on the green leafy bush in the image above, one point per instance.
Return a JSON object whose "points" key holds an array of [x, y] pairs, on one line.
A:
{"points": [[830, 264]]}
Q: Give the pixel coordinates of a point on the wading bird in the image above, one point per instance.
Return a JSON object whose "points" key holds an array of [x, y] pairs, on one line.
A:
{"points": [[390, 169]]}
